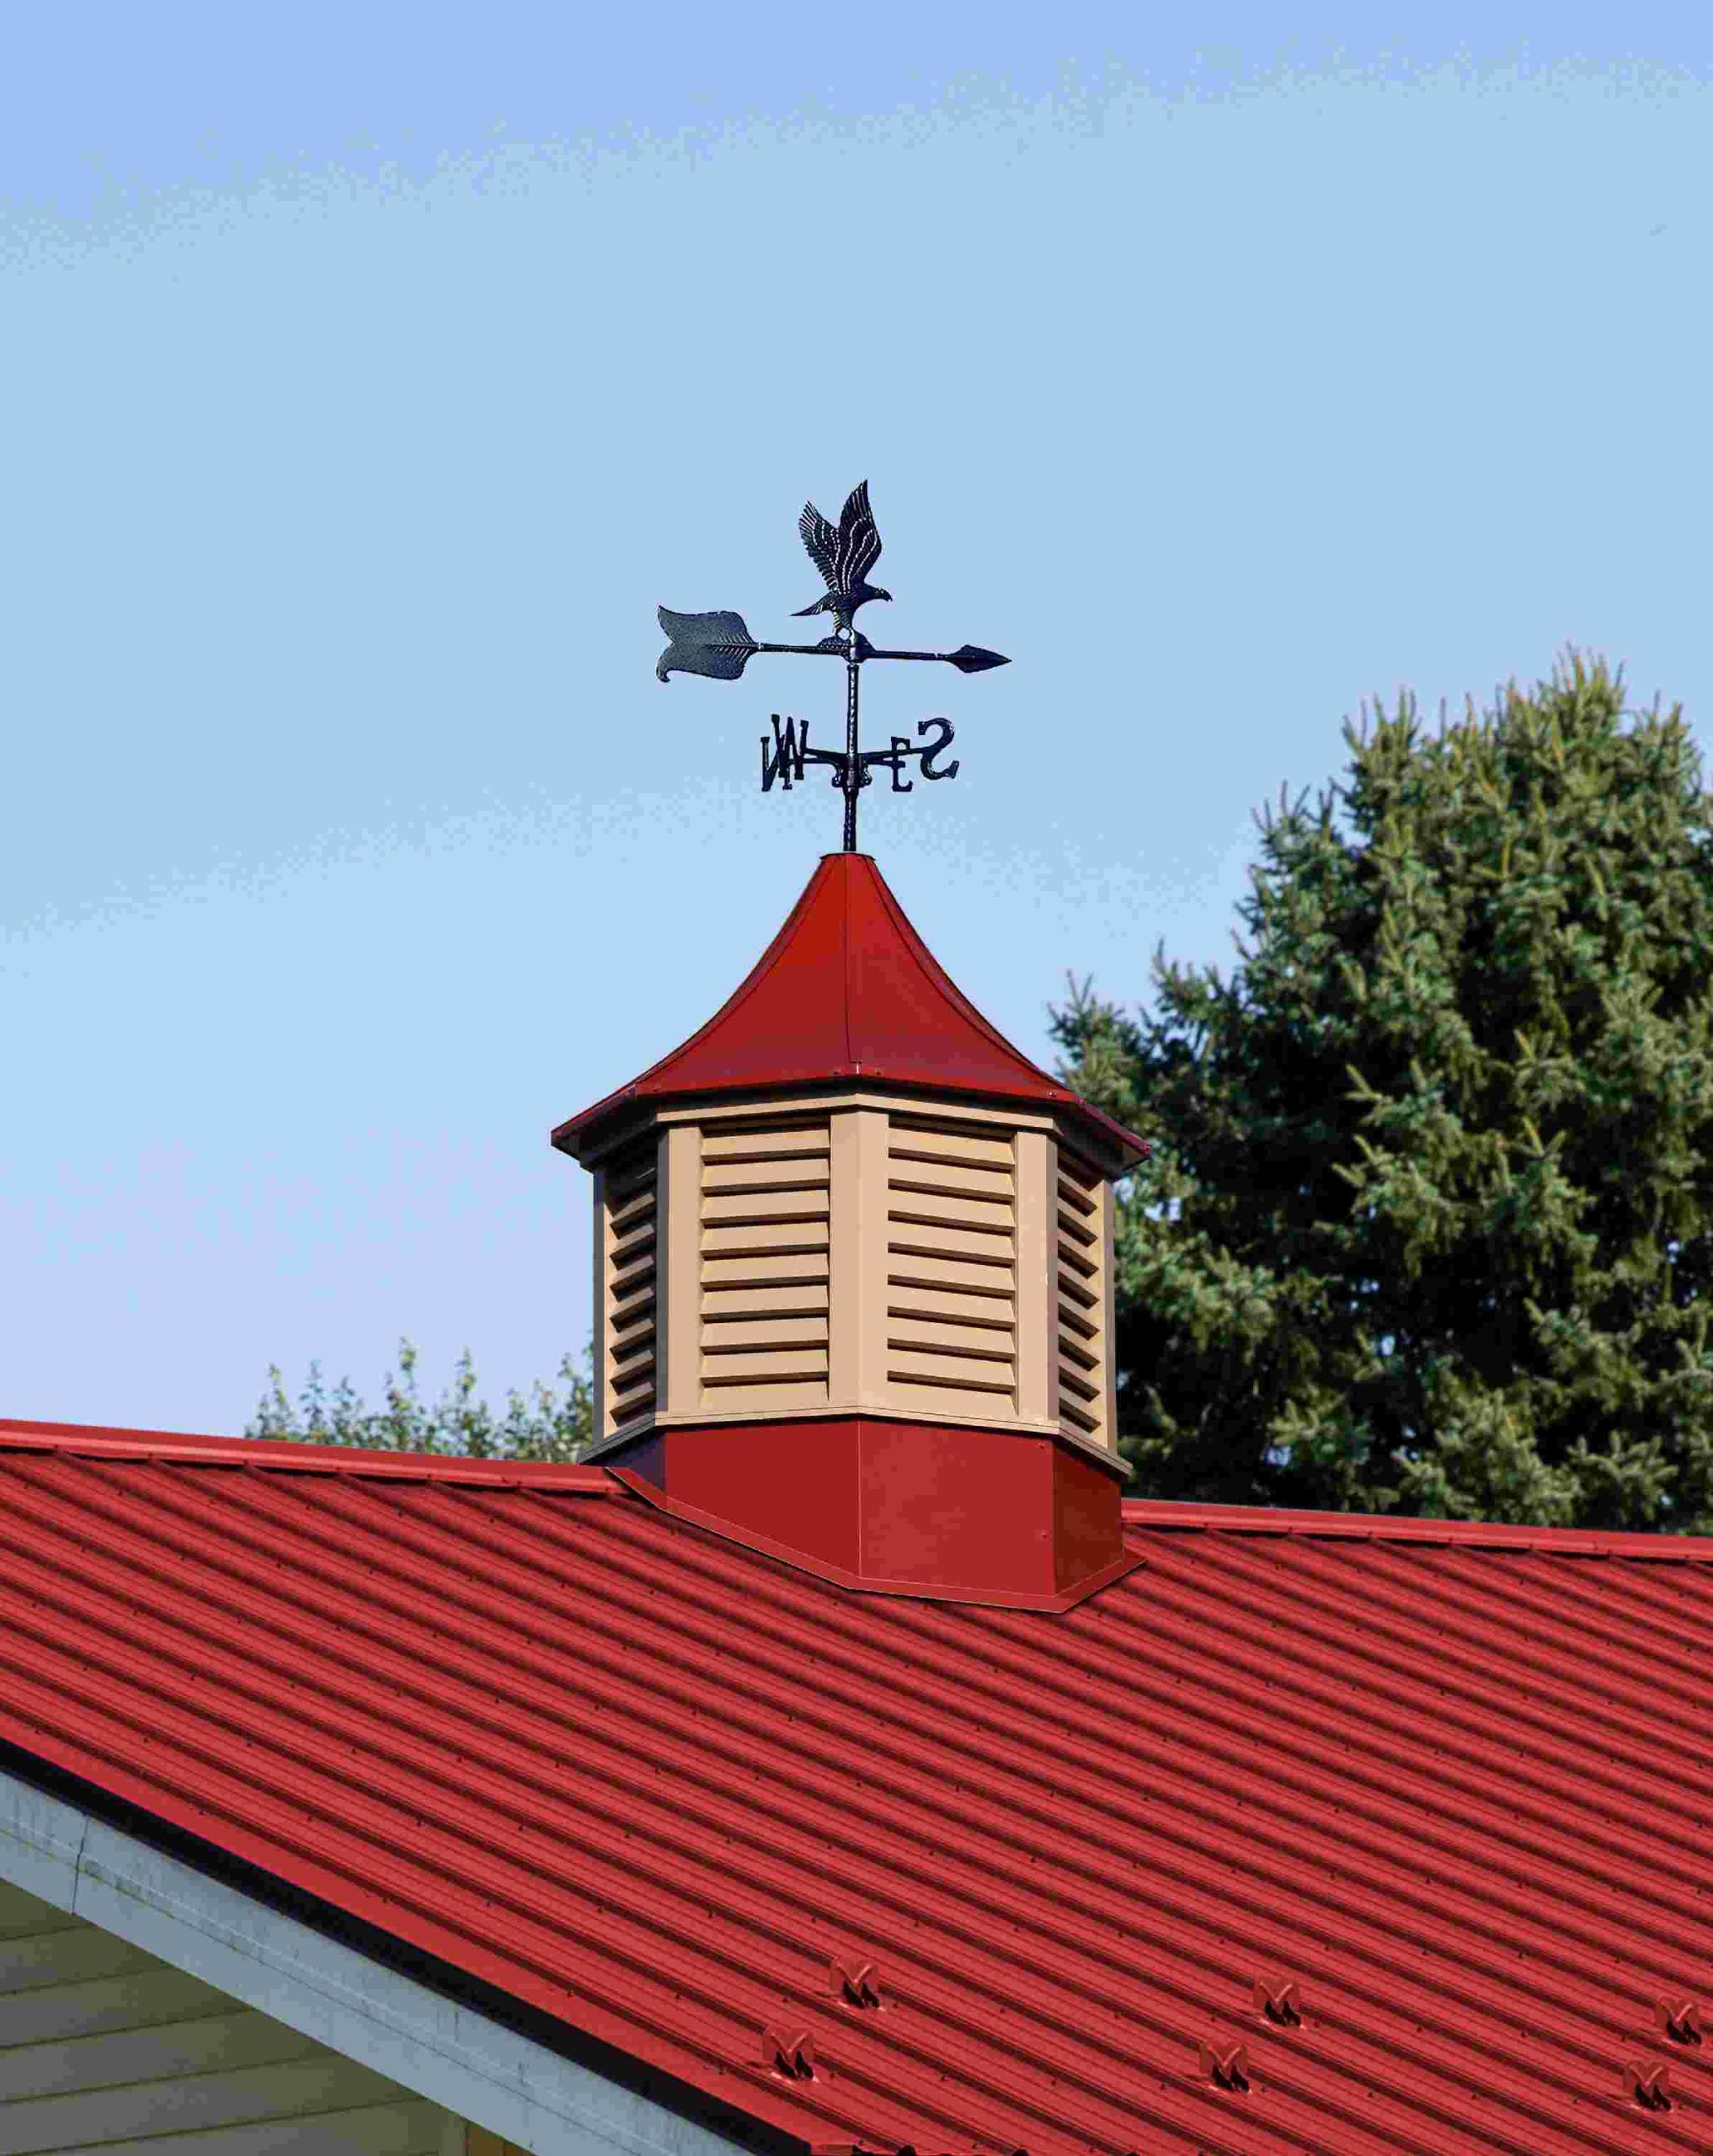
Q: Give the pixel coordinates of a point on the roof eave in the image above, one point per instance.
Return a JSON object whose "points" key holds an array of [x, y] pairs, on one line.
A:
{"points": [[585, 1137]]}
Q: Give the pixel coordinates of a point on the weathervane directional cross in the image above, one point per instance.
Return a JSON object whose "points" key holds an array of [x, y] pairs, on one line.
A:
{"points": [[719, 645]]}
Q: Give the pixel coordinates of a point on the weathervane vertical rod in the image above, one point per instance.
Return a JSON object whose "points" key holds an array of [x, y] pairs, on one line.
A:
{"points": [[853, 764]]}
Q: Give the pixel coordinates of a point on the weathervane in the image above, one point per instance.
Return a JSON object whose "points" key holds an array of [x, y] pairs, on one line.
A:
{"points": [[719, 644]]}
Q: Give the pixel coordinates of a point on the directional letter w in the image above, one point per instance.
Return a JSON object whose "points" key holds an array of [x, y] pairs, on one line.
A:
{"points": [[786, 762]]}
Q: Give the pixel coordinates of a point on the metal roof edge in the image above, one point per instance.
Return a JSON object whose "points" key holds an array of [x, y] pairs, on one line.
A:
{"points": [[1066, 1103], [1172, 1515], [101, 1442]]}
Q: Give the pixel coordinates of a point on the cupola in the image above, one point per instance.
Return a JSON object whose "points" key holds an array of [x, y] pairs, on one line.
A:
{"points": [[853, 1275]]}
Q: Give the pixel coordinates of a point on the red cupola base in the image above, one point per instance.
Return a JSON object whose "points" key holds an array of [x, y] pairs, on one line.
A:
{"points": [[951, 1513]]}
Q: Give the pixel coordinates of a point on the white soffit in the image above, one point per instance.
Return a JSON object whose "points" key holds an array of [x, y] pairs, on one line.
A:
{"points": [[449, 2054]]}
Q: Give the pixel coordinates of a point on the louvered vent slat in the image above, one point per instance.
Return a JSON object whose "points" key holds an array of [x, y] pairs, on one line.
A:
{"points": [[631, 1269], [1082, 1346], [764, 1237], [757, 1142], [951, 1266], [913, 1139]]}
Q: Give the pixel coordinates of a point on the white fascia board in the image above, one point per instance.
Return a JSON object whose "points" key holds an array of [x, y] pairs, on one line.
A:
{"points": [[449, 2054]]}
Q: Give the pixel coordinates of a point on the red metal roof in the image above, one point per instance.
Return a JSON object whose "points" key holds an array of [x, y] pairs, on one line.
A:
{"points": [[846, 989], [1453, 1784]]}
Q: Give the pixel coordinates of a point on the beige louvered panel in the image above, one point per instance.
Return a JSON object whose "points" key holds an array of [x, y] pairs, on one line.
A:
{"points": [[951, 1267], [1081, 1301], [765, 1212], [630, 1265]]}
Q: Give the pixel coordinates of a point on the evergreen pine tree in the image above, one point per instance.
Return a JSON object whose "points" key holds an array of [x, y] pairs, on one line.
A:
{"points": [[1429, 1222]]}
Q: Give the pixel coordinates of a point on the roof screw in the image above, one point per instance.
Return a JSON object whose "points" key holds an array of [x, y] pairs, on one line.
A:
{"points": [[1227, 2069], [857, 1983], [790, 2052], [1648, 2084], [1679, 2019], [1279, 2002]]}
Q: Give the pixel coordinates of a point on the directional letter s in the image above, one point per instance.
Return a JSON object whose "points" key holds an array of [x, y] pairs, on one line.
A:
{"points": [[930, 750]]}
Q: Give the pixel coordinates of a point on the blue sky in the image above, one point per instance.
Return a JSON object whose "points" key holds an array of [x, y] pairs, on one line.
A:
{"points": [[373, 371]]}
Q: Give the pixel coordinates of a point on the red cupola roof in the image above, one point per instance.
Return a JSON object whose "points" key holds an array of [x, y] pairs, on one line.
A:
{"points": [[848, 989]]}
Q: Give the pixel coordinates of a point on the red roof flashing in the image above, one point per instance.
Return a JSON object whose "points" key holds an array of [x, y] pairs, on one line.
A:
{"points": [[1450, 1782], [848, 989]]}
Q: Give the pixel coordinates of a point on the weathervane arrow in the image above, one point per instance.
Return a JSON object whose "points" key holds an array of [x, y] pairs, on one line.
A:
{"points": [[718, 646]]}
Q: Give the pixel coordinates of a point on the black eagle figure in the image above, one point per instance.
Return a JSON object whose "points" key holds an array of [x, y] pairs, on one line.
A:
{"points": [[844, 557]]}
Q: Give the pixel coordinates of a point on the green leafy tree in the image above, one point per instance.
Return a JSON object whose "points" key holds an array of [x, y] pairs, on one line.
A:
{"points": [[549, 1424], [1429, 1223]]}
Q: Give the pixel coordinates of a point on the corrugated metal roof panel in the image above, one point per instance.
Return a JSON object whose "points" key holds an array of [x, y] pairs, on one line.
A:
{"points": [[1453, 1785]]}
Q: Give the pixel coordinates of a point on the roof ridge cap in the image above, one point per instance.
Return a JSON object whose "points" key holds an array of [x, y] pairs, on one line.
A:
{"points": [[851, 1059], [96, 1441], [1174, 1515]]}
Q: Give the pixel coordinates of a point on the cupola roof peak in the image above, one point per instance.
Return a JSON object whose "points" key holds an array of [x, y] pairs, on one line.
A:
{"points": [[848, 991]]}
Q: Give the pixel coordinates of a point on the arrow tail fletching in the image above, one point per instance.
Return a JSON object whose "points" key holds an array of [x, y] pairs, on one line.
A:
{"points": [[715, 645]]}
